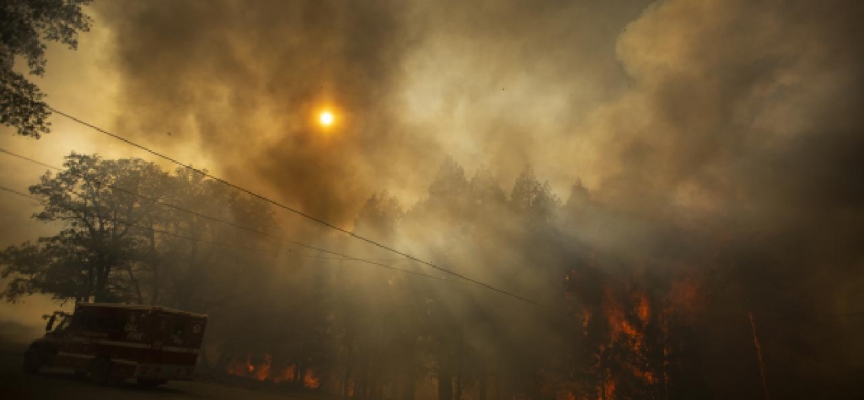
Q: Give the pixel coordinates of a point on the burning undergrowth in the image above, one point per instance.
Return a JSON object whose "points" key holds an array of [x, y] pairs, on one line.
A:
{"points": [[262, 369]]}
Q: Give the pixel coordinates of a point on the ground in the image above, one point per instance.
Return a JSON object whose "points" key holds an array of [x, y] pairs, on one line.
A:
{"points": [[57, 384]]}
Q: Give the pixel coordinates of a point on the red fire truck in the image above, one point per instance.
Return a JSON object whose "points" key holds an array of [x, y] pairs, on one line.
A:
{"points": [[111, 342]]}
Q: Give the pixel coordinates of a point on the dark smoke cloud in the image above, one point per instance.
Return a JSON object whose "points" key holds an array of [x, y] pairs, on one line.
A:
{"points": [[731, 119], [748, 101], [242, 81], [722, 136], [744, 118], [743, 134]]}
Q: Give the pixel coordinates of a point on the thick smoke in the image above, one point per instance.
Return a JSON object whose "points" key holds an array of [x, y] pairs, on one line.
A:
{"points": [[748, 102], [411, 82], [724, 135], [242, 82], [743, 120]]}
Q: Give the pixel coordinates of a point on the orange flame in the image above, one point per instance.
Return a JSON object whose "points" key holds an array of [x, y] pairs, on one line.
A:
{"points": [[285, 375], [264, 371], [311, 381], [608, 389]]}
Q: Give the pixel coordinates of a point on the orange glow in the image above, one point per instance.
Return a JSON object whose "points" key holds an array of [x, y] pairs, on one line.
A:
{"points": [[643, 309], [311, 381], [262, 371], [617, 319], [285, 375], [239, 368], [684, 296], [608, 392], [326, 118], [629, 312]]}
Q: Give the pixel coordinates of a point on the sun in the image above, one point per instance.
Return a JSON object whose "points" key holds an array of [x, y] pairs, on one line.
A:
{"points": [[326, 118]]}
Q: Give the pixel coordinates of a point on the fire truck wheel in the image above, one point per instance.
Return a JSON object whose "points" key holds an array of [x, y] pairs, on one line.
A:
{"points": [[100, 371], [149, 383]]}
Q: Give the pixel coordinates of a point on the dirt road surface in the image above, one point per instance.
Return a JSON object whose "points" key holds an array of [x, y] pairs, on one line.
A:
{"points": [[58, 384]]}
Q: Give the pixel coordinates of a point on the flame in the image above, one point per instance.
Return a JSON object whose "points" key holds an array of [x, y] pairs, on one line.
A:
{"points": [[643, 308], [613, 312], [310, 380], [264, 371], [284, 375], [240, 367], [608, 389], [617, 319], [628, 314], [237, 368]]}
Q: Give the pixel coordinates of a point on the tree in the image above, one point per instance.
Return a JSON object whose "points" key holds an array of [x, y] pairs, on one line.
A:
{"points": [[534, 201], [128, 235], [450, 180], [377, 219], [27, 25], [49, 266], [184, 269], [102, 237], [580, 199]]}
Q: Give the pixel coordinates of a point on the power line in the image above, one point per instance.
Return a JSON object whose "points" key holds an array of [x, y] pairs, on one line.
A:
{"points": [[30, 159], [263, 233], [168, 233], [157, 201], [148, 228], [229, 223], [298, 212], [340, 257], [20, 194], [344, 257]]}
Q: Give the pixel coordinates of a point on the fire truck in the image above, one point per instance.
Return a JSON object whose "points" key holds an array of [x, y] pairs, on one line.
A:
{"points": [[111, 342]]}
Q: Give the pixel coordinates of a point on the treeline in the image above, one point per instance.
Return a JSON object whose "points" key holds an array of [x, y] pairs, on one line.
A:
{"points": [[125, 237], [611, 321]]}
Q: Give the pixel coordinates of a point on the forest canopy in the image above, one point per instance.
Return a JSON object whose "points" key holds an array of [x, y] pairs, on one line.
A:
{"points": [[635, 324]]}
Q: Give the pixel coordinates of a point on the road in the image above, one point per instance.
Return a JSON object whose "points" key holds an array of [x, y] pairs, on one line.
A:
{"points": [[57, 384]]}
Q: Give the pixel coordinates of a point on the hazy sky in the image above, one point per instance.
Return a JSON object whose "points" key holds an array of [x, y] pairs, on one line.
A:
{"points": [[741, 113]]}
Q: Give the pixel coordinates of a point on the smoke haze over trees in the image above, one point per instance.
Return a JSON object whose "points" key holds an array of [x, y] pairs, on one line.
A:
{"points": [[642, 324], [653, 172]]}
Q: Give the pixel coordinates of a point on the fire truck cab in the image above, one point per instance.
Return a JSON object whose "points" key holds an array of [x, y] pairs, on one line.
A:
{"points": [[112, 342]]}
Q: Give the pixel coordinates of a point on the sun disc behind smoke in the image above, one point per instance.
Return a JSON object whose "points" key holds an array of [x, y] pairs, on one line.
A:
{"points": [[326, 118]]}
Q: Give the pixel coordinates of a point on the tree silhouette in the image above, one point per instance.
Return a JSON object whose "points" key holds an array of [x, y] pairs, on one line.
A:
{"points": [[102, 235], [27, 25]]}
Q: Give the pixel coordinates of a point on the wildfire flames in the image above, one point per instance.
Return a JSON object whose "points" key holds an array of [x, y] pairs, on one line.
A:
{"points": [[631, 331], [630, 334], [264, 371]]}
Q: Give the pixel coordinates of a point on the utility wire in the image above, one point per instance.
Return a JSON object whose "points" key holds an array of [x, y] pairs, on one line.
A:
{"points": [[263, 233], [148, 228], [20, 194], [341, 257], [229, 223], [298, 212], [29, 159]]}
